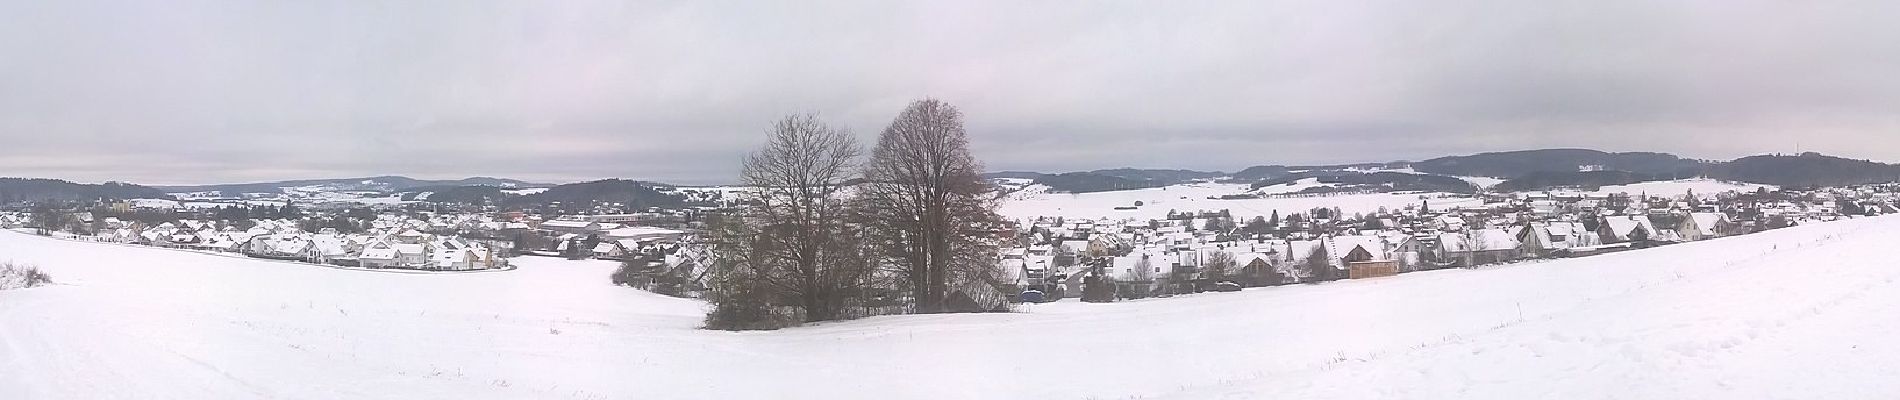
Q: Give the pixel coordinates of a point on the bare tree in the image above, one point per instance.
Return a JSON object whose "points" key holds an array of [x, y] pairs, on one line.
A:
{"points": [[1219, 266], [931, 211], [794, 237], [1143, 272], [739, 297]]}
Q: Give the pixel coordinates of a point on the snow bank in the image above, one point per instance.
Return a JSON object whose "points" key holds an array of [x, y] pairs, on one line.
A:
{"points": [[1804, 312]]}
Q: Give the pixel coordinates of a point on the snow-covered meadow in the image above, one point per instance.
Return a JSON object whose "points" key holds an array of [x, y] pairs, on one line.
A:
{"points": [[1699, 186], [1156, 202], [1034, 201], [1803, 312]]}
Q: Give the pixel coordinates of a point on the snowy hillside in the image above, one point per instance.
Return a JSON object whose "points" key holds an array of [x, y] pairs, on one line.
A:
{"points": [[1191, 197], [1701, 187], [1804, 312]]}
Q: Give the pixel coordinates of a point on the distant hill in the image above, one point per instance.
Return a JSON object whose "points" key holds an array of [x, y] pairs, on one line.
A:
{"points": [[1013, 175], [1088, 182], [1163, 176], [1261, 172], [14, 190], [1376, 181], [378, 183], [1513, 164], [1108, 179], [1807, 169], [634, 194], [1545, 180], [1363, 166], [474, 195]]}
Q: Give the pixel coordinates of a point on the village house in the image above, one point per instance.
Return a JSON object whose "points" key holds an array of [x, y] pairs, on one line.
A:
{"points": [[379, 254], [1479, 246], [1706, 225], [1549, 239], [1635, 229]]}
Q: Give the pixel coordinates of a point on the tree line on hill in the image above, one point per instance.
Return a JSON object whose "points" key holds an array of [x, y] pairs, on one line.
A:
{"points": [[1514, 164], [1807, 169], [19, 190]]}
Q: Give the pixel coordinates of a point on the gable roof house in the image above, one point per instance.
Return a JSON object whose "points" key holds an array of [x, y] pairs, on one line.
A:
{"points": [[1540, 239], [1480, 246], [327, 249], [224, 242], [1363, 256], [1625, 229], [412, 255], [1448, 223], [379, 254], [1106, 245], [1258, 269], [182, 237], [1704, 226], [290, 247], [456, 259], [283, 247], [609, 250]]}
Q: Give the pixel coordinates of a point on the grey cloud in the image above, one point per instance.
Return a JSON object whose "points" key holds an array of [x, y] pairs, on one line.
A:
{"points": [[209, 91]]}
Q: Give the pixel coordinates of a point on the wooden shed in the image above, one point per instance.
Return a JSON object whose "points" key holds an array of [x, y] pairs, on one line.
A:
{"points": [[1371, 269]]}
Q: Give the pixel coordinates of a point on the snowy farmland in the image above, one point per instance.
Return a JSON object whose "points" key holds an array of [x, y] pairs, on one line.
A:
{"points": [[1034, 201], [1156, 202], [1701, 187], [1805, 312]]}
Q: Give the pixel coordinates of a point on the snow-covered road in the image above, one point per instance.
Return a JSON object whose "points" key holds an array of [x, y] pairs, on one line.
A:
{"points": [[1805, 312]]}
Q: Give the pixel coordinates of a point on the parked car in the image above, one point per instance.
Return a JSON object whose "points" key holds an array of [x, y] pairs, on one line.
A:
{"points": [[1226, 286], [1030, 296]]}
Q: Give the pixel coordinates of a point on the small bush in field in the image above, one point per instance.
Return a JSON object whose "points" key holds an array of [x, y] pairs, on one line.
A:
{"points": [[18, 276]]}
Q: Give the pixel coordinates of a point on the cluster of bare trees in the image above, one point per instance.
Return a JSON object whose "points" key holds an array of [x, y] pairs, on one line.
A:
{"points": [[909, 224]]}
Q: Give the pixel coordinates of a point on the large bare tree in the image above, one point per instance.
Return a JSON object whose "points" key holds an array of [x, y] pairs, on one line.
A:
{"points": [[930, 209], [795, 237]]}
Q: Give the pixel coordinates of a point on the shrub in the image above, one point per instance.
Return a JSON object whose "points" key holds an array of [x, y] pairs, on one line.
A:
{"points": [[742, 302], [628, 274], [18, 276]]}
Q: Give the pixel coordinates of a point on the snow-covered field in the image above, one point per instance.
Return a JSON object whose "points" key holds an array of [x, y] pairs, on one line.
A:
{"points": [[1805, 312], [1193, 197], [525, 192], [1701, 187], [1035, 202]]}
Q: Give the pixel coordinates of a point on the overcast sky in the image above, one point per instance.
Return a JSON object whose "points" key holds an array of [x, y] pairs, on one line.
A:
{"points": [[181, 91]]}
